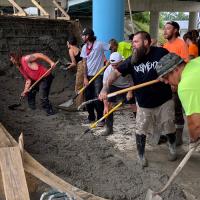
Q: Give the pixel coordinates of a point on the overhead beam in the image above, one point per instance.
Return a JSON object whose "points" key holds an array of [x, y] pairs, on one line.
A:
{"points": [[20, 12], [66, 16], [76, 2], [164, 5], [136, 5], [42, 10]]}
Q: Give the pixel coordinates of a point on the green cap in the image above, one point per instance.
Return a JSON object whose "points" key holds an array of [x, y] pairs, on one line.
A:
{"points": [[168, 63]]}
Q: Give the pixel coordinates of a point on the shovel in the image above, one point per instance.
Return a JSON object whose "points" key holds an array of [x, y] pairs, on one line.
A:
{"points": [[94, 125], [14, 106], [151, 195], [71, 101], [135, 87]]}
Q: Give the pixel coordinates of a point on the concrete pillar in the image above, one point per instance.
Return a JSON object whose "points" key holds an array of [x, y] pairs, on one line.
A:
{"points": [[193, 17], [108, 19], [154, 24]]}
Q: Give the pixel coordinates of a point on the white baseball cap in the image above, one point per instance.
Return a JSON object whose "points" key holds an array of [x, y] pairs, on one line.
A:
{"points": [[115, 57]]}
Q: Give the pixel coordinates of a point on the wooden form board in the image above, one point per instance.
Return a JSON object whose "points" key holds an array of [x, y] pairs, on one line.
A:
{"points": [[14, 180], [34, 168]]}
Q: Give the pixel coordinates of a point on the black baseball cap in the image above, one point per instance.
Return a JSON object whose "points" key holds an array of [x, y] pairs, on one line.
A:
{"points": [[175, 25]]}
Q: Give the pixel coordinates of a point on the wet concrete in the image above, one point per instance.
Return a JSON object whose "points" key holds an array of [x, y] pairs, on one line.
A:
{"points": [[104, 166]]}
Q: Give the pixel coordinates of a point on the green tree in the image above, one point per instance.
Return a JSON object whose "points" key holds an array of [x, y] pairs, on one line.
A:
{"points": [[167, 16]]}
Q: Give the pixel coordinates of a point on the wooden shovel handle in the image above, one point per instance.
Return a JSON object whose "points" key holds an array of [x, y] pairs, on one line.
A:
{"points": [[177, 170], [93, 78], [106, 115], [36, 82], [132, 88]]}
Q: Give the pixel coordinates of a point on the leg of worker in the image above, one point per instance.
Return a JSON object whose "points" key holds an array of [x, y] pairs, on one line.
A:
{"points": [[98, 84], [179, 120], [89, 94], [45, 86], [109, 122], [143, 120], [79, 83], [165, 117], [31, 98]]}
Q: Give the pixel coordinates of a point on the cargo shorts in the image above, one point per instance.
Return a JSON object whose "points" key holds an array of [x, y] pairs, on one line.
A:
{"points": [[158, 120]]}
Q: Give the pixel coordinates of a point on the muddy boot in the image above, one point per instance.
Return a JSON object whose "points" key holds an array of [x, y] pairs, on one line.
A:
{"points": [[179, 133], [162, 139], [109, 125], [49, 110], [140, 142], [172, 146]]}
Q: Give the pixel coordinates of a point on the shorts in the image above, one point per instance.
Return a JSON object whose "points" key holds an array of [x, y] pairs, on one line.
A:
{"points": [[119, 97], [159, 120]]}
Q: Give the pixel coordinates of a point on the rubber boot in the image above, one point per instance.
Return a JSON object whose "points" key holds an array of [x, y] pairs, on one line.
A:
{"points": [[162, 139], [109, 125], [49, 110], [172, 146], [179, 139], [140, 142]]}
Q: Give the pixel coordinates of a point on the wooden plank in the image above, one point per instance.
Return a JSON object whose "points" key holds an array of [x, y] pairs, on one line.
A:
{"points": [[62, 10], [36, 169], [14, 180], [42, 10], [21, 11], [4, 140]]}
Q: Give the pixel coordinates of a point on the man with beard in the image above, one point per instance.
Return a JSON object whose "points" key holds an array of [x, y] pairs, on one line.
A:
{"points": [[155, 107], [176, 45], [93, 60]]}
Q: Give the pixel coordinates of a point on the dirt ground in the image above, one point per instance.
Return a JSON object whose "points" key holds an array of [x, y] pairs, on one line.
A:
{"points": [[104, 166]]}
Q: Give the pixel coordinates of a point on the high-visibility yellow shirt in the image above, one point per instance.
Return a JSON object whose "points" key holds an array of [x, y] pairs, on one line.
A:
{"points": [[125, 49]]}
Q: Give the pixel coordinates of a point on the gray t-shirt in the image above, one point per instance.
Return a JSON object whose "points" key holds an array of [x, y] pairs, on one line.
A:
{"points": [[95, 60], [121, 82]]}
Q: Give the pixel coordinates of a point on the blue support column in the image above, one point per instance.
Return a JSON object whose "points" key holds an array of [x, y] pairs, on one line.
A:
{"points": [[108, 19]]}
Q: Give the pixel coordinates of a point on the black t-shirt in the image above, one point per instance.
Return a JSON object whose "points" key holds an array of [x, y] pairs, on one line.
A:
{"points": [[143, 71]]}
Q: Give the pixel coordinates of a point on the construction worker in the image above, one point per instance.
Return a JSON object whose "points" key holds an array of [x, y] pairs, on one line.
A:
{"points": [[173, 70], [122, 82], [32, 71], [76, 62], [176, 45], [190, 39], [93, 60], [155, 107], [113, 45], [123, 47]]}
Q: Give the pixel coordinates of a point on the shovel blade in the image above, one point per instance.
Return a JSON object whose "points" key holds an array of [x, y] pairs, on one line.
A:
{"points": [[14, 106], [66, 104], [151, 195]]}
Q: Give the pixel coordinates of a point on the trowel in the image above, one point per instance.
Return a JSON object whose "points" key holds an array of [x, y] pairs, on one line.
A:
{"points": [[151, 195]]}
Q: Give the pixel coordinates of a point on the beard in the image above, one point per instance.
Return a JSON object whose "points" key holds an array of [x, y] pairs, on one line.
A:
{"points": [[138, 54], [169, 36]]}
